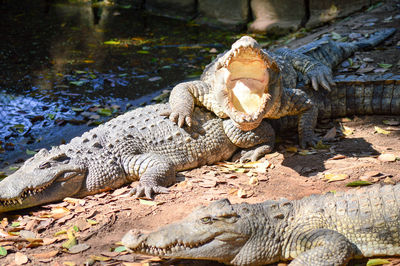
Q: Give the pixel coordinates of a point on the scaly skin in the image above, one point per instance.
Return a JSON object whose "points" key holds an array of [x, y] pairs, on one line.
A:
{"points": [[248, 84], [352, 95], [318, 230], [140, 144]]}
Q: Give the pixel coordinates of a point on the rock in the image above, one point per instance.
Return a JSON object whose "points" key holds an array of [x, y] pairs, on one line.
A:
{"points": [[387, 157], [232, 13], [277, 17], [322, 11]]}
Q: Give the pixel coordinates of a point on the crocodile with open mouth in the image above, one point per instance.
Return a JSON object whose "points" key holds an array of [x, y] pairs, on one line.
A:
{"points": [[248, 83]]}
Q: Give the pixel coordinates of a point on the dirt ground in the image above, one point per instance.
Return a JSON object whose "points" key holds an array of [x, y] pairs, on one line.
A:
{"points": [[368, 150]]}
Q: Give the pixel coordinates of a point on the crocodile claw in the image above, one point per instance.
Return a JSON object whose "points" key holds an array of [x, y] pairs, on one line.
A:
{"points": [[320, 76], [180, 119], [309, 141], [147, 191], [252, 154]]}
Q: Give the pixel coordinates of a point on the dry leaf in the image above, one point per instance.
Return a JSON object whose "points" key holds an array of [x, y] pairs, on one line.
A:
{"points": [[150, 202], [48, 241], [59, 212], [100, 258], [389, 180], [78, 248], [242, 193], [381, 131], [331, 134], [338, 157], [253, 181], [387, 157], [20, 258], [335, 177], [46, 255], [75, 201], [27, 234], [347, 131]]}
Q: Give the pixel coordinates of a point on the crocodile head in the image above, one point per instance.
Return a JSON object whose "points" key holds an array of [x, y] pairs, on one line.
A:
{"points": [[46, 177], [221, 231], [247, 83]]}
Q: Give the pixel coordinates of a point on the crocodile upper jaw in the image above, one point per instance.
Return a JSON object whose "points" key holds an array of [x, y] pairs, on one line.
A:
{"points": [[243, 73]]}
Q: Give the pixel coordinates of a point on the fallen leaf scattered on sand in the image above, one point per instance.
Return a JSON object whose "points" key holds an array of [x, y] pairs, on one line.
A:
{"points": [[330, 135], [374, 262], [358, 183], [20, 258], [381, 131], [150, 202], [46, 255], [335, 177], [347, 130]]}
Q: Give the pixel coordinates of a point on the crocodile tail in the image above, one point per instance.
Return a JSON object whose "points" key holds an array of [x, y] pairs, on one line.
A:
{"points": [[375, 38], [366, 95], [331, 53]]}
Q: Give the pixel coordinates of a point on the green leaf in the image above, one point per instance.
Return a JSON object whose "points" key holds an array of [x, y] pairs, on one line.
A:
{"points": [[385, 65], [80, 72], [3, 251], [60, 232], [336, 36], [15, 224], [91, 222], [13, 168], [29, 152], [78, 82], [143, 52], [358, 183], [51, 116], [111, 42], [373, 262], [104, 112], [120, 249], [76, 109], [76, 228]]}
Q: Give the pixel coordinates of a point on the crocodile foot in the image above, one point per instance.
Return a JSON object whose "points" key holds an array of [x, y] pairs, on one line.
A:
{"points": [[181, 117], [252, 154], [321, 75], [147, 190], [309, 140]]}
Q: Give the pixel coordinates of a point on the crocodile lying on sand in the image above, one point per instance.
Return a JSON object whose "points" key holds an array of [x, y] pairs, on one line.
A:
{"points": [[248, 83], [325, 229], [140, 144]]}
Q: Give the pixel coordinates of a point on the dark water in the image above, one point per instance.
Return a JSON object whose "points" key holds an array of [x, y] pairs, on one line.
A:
{"points": [[68, 66]]}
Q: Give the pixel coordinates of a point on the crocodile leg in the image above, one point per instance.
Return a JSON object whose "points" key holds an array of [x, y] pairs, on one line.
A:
{"points": [[306, 125], [155, 171], [184, 97], [322, 247], [313, 71], [256, 143]]}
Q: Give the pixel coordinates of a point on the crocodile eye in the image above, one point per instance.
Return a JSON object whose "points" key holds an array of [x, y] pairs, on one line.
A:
{"points": [[44, 165], [206, 220]]}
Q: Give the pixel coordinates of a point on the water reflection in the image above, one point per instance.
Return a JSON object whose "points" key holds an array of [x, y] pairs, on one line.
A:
{"points": [[61, 56]]}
